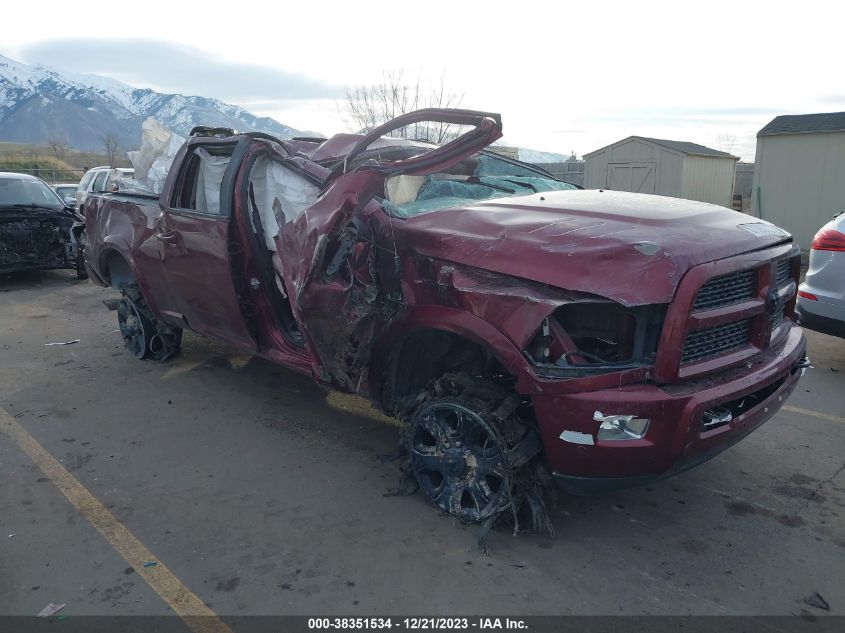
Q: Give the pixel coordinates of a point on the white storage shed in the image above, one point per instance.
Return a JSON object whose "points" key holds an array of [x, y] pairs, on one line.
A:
{"points": [[799, 173], [662, 167]]}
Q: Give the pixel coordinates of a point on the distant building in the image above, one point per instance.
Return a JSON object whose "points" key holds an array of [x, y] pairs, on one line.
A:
{"points": [[799, 173], [663, 167], [743, 186], [571, 171]]}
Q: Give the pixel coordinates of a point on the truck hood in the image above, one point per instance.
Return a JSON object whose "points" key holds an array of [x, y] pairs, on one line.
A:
{"points": [[631, 248]]}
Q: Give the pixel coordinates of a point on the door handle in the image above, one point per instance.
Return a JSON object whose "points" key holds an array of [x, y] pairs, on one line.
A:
{"points": [[169, 237]]}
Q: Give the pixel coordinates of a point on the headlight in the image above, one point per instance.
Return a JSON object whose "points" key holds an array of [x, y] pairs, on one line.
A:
{"points": [[586, 337], [621, 427]]}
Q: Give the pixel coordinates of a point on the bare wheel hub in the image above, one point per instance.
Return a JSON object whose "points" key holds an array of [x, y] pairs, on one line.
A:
{"points": [[132, 327], [457, 459]]}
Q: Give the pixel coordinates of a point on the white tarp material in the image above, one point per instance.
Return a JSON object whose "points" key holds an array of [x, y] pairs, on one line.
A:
{"points": [[152, 161], [280, 195]]}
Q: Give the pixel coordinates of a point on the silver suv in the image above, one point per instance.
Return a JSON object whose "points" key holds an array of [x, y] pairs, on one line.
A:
{"points": [[99, 180], [821, 298]]}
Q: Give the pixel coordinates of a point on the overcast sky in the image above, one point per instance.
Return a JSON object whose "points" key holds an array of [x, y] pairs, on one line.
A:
{"points": [[572, 75]]}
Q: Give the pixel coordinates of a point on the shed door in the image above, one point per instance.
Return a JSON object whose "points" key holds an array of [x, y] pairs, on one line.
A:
{"points": [[636, 177]]}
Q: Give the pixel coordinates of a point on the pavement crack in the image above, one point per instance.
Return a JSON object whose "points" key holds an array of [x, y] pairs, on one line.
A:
{"points": [[817, 489]]}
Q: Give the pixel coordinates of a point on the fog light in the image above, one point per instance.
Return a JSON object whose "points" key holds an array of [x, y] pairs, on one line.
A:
{"points": [[621, 427]]}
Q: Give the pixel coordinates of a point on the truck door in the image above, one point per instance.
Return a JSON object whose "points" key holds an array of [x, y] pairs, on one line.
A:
{"points": [[328, 253], [194, 243]]}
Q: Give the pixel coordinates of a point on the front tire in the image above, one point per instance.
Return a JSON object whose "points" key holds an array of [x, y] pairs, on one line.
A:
{"points": [[457, 459], [475, 451]]}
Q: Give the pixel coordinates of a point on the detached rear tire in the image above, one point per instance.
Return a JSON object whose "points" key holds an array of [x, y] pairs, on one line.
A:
{"points": [[143, 335]]}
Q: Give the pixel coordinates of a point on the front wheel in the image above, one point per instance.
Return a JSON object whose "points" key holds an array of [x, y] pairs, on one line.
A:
{"points": [[457, 459], [476, 453]]}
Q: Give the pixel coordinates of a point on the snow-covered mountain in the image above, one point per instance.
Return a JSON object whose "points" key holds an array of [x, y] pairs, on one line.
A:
{"points": [[37, 104], [536, 156]]}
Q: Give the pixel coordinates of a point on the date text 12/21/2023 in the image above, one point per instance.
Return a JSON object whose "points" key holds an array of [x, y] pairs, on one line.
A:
{"points": [[417, 623]]}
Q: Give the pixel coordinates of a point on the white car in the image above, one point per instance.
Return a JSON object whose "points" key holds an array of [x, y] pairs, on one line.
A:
{"points": [[99, 180], [821, 298], [66, 192]]}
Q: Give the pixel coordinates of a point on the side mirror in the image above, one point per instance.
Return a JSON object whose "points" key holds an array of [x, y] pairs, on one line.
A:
{"points": [[70, 201]]}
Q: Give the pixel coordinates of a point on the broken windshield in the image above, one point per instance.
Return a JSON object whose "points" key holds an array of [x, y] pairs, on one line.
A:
{"points": [[480, 177]]}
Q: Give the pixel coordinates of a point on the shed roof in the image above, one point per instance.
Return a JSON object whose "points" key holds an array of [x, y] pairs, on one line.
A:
{"points": [[688, 148], [805, 123], [683, 147]]}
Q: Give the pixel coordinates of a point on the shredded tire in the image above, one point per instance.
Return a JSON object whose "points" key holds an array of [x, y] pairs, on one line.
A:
{"points": [[162, 342], [519, 500]]}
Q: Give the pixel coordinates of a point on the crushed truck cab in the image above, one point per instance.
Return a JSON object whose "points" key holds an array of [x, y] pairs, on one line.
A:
{"points": [[517, 324]]}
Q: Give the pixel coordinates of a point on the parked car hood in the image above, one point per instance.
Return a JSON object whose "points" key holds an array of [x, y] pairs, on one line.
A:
{"points": [[632, 248]]}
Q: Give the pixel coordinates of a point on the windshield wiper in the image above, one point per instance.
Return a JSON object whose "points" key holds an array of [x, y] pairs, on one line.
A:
{"points": [[524, 184], [473, 180]]}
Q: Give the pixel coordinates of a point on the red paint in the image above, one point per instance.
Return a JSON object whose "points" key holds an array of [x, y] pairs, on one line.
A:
{"points": [[490, 272], [828, 240]]}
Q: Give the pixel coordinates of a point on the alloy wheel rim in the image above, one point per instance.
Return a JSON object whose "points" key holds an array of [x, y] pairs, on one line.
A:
{"points": [[457, 460]]}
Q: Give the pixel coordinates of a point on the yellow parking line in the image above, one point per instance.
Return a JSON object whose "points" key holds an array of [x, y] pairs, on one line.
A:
{"points": [[187, 605], [815, 414]]}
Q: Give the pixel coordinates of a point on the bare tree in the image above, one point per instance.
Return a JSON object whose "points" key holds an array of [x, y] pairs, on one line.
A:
{"points": [[110, 147], [727, 141], [367, 107], [59, 146]]}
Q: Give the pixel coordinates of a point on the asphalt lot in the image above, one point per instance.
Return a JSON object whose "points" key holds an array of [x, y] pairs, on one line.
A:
{"points": [[262, 494]]}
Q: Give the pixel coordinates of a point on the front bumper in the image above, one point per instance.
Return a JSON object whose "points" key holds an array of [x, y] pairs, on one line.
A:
{"points": [[818, 316], [675, 440]]}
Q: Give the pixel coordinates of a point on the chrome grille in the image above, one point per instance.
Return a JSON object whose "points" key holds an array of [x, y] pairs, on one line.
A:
{"points": [[784, 273], [725, 290], [716, 340]]}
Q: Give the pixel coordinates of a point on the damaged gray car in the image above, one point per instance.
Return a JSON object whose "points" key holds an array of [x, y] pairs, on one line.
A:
{"points": [[38, 231]]}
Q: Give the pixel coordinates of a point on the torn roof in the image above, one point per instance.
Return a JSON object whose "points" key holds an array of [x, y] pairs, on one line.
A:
{"points": [[805, 123]]}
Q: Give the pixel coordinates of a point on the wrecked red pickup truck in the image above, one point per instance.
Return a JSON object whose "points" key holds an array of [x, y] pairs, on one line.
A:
{"points": [[517, 324]]}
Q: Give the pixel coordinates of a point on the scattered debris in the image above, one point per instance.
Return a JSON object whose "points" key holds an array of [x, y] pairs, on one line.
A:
{"points": [[50, 609], [815, 600], [76, 340], [150, 563]]}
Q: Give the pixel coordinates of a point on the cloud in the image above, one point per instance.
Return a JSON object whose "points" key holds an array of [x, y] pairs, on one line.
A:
{"points": [[172, 67], [837, 99]]}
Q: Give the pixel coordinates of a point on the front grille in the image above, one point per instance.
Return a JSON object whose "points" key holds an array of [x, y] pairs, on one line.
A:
{"points": [[20, 237], [716, 340], [726, 290], [784, 273], [29, 242]]}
